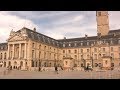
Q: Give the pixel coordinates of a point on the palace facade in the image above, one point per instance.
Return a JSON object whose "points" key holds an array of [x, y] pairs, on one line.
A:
{"points": [[27, 49]]}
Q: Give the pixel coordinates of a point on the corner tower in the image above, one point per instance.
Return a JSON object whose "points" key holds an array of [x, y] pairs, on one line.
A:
{"points": [[102, 22]]}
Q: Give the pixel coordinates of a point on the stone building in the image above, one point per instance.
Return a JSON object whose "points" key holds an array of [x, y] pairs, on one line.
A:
{"points": [[27, 49]]}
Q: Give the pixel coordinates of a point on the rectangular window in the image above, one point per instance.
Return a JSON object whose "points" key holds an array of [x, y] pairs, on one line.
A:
{"points": [[103, 49], [95, 49], [95, 56], [112, 55], [39, 46], [81, 56], [32, 53], [87, 50], [75, 51], [111, 49], [33, 45], [81, 50], [118, 41], [69, 51], [103, 55], [88, 57], [119, 56], [45, 48], [75, 57], [87, 43], [119, 49], [63, 51]]}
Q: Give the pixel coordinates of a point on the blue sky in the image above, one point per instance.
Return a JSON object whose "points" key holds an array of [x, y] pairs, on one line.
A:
{"points": [[56, 24]]}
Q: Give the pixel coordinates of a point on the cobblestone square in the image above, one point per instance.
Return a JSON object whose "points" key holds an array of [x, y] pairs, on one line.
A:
{"points": [[15, 74]]}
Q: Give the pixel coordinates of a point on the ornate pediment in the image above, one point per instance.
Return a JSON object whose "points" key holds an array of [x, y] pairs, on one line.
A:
{"points": [[16, 38]]}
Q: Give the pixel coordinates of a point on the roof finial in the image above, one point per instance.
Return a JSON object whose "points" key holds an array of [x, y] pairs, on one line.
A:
{"points": [[34, 29]]}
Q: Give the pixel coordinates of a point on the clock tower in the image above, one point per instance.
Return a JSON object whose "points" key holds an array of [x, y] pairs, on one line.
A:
{"points": [[102, 22]]}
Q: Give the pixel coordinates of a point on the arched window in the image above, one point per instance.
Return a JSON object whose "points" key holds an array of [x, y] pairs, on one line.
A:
{"points": [[15, 63], [36, 64], [82, 65], [25, 63], [50, 64], [106, 62], [50, 55], [23, 54], [39, 54], [21, 63], [40, 46], [75, 57], [87, 50], [1, 56], [69, 51], [4, 64], [33, 45], [32, 64], [5, 56], [63, 51], [9, 63], [45, 48], [95, 49]]}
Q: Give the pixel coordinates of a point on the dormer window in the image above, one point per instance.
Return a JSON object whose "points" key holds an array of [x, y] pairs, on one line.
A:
{"points": [[87, 43], [75, 44], [43, 38], [119, 41], [69, 44], [63, 45], [81, 43]]}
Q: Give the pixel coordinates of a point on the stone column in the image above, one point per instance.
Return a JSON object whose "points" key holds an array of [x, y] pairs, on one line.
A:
{"points": [[25, 50], [19, 50], [13, 50], [8, 54]]}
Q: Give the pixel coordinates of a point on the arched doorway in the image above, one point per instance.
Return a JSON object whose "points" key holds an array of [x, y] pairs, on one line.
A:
{"points": [[15, 65], [4, 64], [9, 63], [21, 63]]}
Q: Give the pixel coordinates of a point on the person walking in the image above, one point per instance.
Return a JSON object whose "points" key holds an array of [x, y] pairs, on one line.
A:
{"points": [[56, 69]]}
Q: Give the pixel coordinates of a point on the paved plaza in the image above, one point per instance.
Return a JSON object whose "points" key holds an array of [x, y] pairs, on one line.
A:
{"points": [[15, 74]]}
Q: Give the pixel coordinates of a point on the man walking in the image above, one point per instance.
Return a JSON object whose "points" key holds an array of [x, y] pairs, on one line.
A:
{"points": [[56, 69]]}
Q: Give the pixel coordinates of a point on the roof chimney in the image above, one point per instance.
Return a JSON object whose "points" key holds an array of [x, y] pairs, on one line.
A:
{"points": [[64, 37], [34, 29]]}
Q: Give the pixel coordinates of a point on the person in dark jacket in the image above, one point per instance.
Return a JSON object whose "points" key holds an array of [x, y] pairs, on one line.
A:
{"points": [[56, 69]]}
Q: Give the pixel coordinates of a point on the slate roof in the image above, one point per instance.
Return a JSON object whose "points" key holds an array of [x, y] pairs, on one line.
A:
{"points": [[3, 46], [71, 42]]}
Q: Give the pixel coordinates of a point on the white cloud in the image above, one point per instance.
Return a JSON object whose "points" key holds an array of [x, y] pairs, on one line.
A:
{"points": [[60, 24], [78, 18], [9, 22], [114, 19]]}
